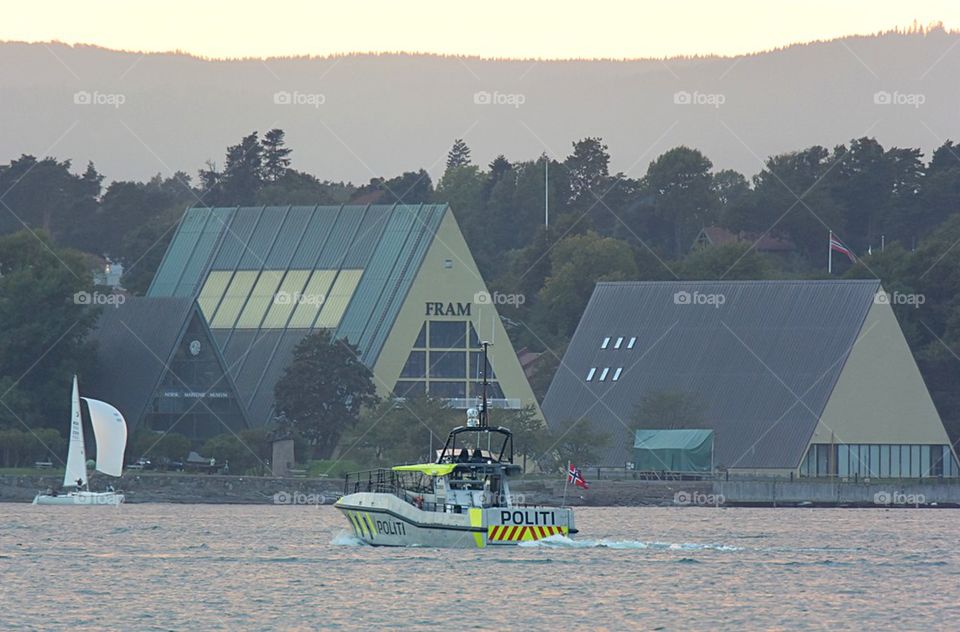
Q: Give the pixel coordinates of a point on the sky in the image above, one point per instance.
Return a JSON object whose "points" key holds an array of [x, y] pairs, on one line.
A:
{"points": [[558, 29]]}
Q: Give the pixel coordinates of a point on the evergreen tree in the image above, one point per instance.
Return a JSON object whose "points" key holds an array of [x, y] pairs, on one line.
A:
{"points": [[276, 159], [459, 155]]}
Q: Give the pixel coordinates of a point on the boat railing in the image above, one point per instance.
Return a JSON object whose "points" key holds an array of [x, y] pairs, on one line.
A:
{"points": [[386, 481]]}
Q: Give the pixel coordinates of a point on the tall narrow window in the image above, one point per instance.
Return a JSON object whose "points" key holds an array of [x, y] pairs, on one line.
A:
{"points": [[619, 342], [632, 342], [590, 374], [606, 343], [603, 374], [616, 374]]}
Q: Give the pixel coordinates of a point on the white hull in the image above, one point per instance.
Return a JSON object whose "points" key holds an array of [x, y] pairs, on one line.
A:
{"points": [[384, 520], [80, 498]]}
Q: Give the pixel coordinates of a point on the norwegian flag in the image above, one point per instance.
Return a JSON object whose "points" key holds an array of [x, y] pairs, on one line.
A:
{"points": [[575, 476], [837, 246]]}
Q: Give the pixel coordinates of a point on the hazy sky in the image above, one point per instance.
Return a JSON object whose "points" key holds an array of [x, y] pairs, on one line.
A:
{"points": [[492, 28]]}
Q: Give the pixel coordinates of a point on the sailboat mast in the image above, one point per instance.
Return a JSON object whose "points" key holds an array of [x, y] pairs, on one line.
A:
{"points": [[75, 474]]}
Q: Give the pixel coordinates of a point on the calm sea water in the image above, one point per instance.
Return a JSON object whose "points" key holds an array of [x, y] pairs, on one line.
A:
{"points": [[202, 567]]}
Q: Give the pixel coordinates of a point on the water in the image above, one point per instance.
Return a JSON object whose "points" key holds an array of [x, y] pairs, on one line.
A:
{"points": [[203, 567]]}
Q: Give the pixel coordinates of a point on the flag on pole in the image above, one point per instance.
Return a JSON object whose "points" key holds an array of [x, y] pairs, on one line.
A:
{"points": [[837, 246], [575, 476]]}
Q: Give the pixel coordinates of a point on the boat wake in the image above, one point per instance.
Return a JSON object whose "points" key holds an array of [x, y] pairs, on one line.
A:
{"points": [[563, 542], [345, 538]]}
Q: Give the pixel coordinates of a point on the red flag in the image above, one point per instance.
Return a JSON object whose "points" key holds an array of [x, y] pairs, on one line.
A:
{"points": [[575, 476]]}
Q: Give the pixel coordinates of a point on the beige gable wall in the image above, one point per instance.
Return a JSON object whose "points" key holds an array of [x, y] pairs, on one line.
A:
{"points": [[880, 396], [457, 284]]}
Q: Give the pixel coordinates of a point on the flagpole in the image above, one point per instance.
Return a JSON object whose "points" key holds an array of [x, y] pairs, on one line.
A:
{"points": [[566, 479], [830, 253]]}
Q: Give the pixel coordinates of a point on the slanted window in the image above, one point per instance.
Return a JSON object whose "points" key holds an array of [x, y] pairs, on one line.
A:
{"points": [[632, 342], [603, 374], [590, 373], [616, 374], [619, 342], [606, 343]]}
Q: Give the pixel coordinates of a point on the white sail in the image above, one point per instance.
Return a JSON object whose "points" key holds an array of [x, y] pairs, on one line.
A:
{"points": [[76, 472], [110, 430]]}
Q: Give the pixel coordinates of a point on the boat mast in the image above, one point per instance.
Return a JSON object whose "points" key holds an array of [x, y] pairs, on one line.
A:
{"points": [[483, 401]]}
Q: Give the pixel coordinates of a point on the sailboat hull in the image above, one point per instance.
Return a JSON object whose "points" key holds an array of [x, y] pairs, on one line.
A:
{"points": [[80, 498]]}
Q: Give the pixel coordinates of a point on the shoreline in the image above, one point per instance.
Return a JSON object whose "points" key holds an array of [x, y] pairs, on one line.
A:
{"points": [[219, 489]]}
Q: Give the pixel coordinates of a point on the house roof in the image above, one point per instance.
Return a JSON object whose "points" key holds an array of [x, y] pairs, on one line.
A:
{"points": [[760, 358], [719, 236], [361, 258]]}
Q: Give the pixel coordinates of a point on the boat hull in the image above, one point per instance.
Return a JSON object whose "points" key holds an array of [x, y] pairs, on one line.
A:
{"points": [[80, 498], [385, 520]]}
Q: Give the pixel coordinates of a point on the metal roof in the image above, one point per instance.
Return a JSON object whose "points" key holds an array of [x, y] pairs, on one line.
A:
{"points": [[760, 357], [363, 259]]}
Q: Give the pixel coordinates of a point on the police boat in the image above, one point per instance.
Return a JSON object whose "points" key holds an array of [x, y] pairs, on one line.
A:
{"points": [[462, 500]]}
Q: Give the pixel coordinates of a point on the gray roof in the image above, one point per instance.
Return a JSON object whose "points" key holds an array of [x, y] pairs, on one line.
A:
{"points": [[135, 341], [762, 364]]}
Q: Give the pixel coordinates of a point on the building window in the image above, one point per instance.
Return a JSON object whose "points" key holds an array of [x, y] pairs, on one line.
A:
{"points": [[448, 364], [880, 461], [441, 365], [416, 366], [632, 342], [603, 374], [619, 342], [605, 343], [447, 264], [452, 390], [616, 374], [590, 373], [447, 334]]}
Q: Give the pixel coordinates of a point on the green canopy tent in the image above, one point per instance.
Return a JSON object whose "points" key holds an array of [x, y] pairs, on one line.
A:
{"points": [[683, 450]]}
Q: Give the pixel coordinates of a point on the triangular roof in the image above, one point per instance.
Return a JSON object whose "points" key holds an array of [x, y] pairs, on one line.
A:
{"points": [[135, 341], [384, 244], [762, 364]]}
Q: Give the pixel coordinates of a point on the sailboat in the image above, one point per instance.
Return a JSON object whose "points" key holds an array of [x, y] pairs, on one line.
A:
{"points": [[110, 431]]}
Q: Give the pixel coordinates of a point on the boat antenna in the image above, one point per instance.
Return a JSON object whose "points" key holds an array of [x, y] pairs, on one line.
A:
{"points": [[483, 401]]}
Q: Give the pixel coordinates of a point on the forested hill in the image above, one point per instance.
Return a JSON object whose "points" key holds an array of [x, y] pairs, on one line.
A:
{"points": [[135, 115]]}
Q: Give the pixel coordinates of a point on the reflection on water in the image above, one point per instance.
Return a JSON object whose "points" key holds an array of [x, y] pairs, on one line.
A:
{"points": [[162, 567]]}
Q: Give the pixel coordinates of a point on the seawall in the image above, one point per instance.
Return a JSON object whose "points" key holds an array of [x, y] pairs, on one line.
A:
{"points": [[218, 489]]}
